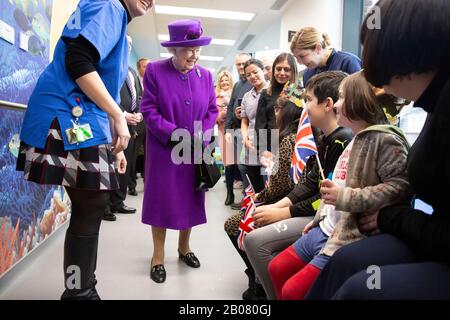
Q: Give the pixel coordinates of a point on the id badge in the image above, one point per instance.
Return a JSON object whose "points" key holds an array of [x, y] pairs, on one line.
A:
{"points": [[79, 133]]}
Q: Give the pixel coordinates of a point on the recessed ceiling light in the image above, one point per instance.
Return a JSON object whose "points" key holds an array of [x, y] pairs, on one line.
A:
{"points": [[223, 42], [204, 58], [205, 13]]}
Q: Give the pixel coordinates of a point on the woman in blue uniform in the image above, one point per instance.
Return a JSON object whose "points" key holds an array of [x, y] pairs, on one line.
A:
{"points": [[313, 49], [66, 134]]}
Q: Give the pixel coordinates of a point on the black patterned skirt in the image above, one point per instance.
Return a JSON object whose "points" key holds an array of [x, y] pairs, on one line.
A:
{"points": [[89, 168]]}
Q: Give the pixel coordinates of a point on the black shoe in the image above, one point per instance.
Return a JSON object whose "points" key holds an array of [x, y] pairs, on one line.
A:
{"points": [[95, 295], [109, 216], [124, 209], [158, 273], [230, 199], [132, 192], [236, 206], [254, 293], [259, 293], [248, 294], [190, 259]]}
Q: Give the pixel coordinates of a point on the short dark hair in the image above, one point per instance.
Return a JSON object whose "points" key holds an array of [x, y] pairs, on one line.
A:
{"points": [[256, 62], [326, 85], [414, 38]]}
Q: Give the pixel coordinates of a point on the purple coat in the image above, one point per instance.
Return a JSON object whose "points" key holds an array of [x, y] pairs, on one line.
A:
{"points": [[174, 100]]}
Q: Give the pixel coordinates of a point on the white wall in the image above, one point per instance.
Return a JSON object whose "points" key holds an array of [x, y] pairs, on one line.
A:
{"points": [[267, 38], [60, 14], [326, 15]]}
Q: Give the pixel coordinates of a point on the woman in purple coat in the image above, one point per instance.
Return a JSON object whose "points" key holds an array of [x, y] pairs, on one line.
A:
{"points": [[178, 93]]}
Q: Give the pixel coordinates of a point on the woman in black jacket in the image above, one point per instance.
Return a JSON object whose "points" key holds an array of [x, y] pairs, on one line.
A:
{"points": [[284, 70], [411, 258]]}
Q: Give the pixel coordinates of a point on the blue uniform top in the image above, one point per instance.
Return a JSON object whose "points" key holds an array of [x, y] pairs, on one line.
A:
{"points": [[103, 23], [338, 61]]}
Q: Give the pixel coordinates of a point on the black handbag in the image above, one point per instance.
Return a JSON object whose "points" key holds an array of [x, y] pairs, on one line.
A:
{"points": [[206, 174]]}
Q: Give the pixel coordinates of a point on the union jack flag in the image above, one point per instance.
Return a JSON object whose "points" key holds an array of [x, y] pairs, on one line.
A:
{"points": [[305, 147], [249, 192], [246, 225]]}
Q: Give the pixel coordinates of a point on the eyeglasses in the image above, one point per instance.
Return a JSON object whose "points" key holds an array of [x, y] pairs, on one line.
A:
{"points": [[286, 69]]}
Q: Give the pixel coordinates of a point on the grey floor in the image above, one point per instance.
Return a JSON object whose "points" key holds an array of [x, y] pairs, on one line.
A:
{"points": [[124, 261]]}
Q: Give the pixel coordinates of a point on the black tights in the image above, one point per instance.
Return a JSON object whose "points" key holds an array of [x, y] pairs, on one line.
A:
{"points": [[88, 208], [229, 177], [250, 271]]}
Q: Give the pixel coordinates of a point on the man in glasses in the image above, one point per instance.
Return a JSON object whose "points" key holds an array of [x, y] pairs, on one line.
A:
{"points": [[233, 121], [267, 62]]}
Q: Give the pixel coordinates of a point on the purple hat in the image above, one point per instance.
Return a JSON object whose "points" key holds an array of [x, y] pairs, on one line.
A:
{"points": [[186, 33]]}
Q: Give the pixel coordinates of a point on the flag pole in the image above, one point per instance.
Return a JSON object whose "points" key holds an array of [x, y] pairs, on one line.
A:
{"points": [[249, 182], [254, 206], [320, 167]]}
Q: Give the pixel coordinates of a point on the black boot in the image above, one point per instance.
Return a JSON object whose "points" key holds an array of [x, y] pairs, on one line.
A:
{"points": [[94, 282], [80, 255], [230, 199], [259, 293], [95, 295], [248, 294], [255, 290]]}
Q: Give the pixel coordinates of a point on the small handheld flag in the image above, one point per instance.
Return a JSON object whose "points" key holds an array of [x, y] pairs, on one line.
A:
{"points": [[305, 147], [246, 225]]}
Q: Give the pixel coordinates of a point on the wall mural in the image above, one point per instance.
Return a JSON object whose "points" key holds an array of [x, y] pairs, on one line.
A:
{"points": [[19, 68], [29, 213]]}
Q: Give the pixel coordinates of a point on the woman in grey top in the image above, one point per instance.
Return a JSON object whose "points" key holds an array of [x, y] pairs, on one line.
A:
{"points": [[249, 163]]}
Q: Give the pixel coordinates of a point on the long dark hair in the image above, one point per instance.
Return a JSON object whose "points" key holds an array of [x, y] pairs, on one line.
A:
{"points": [[287, 121], [274, 85]]}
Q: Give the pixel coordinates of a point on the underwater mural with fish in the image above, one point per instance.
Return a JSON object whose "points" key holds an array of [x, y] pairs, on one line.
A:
{"points": [[29, 212], [19, 69]]}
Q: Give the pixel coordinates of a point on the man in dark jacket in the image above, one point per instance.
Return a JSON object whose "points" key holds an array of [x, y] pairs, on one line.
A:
{"points": [[233, 122], [130, 96]]}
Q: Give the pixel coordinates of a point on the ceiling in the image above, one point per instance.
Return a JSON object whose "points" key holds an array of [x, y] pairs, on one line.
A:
{"points": [[145, 30]]}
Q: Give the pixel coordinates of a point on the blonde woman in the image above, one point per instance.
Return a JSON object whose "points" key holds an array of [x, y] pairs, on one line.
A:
{"points": [[224, 88], [313, 49]]}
